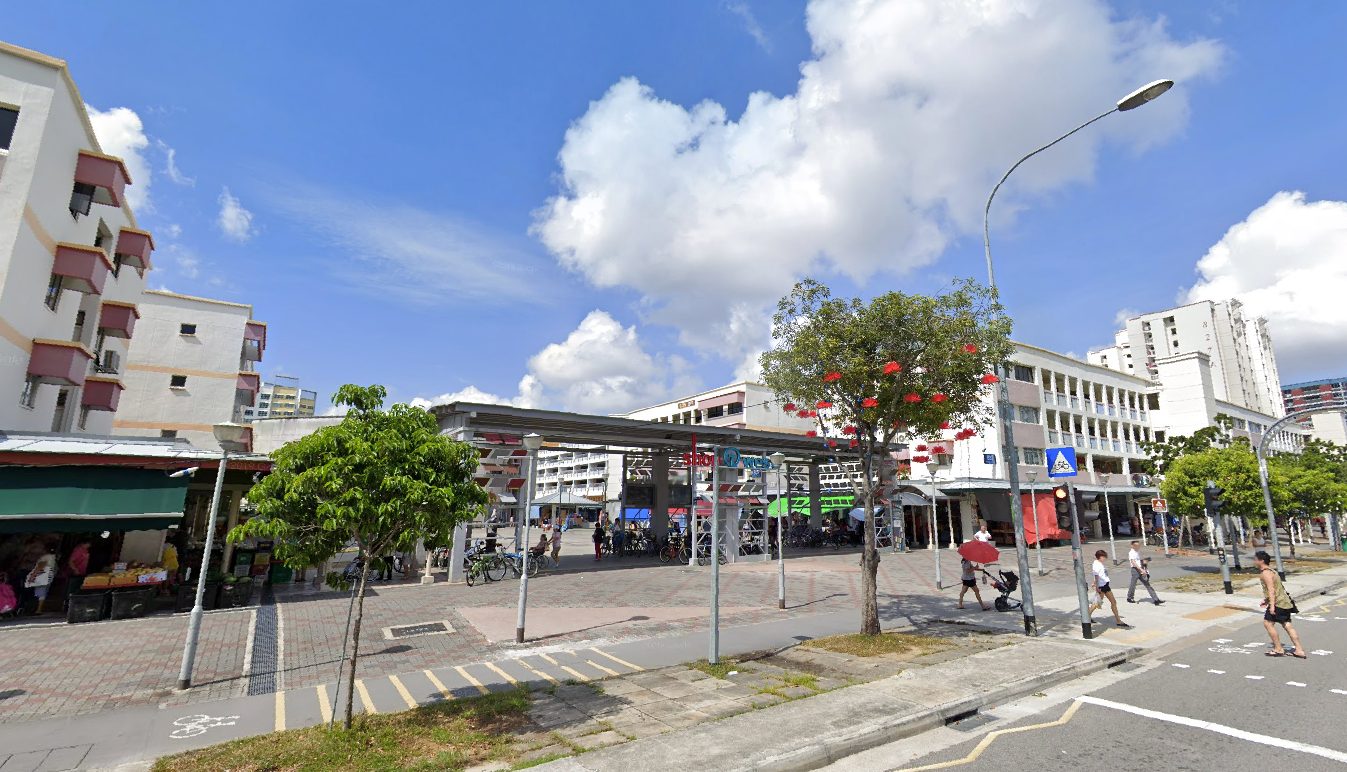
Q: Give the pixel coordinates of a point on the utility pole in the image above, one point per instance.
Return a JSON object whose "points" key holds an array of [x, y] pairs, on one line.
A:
{"points": [[1064, 499], [1211, 497]]}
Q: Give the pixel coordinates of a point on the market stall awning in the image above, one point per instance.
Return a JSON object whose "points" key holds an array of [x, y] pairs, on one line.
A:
{"points": [[71, 499], [566, 500]]}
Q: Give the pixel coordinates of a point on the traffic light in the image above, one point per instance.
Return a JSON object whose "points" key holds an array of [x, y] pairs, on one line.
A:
{"points": [[1061, 498], [1211, 497]]}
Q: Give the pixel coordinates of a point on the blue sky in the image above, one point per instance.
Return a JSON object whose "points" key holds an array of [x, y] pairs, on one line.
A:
{"points": [[409, 208]]}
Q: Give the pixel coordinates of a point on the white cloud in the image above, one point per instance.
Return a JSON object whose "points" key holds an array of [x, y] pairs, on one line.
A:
{"points": [[1120, 318], [181, 261], [601, 367], [414, 255], [234, 221], [171, 165], [341, 410], [121, 133], [172, 231], [1287, 261], [903, 119], [751, 25]]}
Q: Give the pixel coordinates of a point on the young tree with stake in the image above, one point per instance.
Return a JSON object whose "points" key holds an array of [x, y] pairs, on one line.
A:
{"points": [[878, 373], [382, 480]]}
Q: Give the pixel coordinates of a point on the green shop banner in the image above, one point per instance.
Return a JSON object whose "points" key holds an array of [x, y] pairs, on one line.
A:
{"points": [[82, 498]]}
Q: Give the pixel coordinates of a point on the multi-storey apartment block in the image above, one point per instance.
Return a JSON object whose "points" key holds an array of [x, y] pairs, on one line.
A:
{"points": [[72, 261], [191, 366], [1330, 427], [282, 398]]}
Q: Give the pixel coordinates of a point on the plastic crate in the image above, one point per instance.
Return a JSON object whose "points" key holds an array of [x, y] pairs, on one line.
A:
{"points": [[86, 607], [129, 604]]}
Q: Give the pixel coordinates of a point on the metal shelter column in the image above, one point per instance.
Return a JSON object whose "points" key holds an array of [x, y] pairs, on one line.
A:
{"points": [[815, 497], [659, 511]]}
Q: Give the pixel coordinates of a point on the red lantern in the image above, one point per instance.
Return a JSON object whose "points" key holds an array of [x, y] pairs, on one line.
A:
{"points": [[832, 443], [938, 397], [969, 348], [848, 430], [892, 367], [869, 402], [944, 424], [989, 378], [921, 459], [921, 447], [802, 413], [789, 406], [823, 404], [937, 450], [833, 376], [912, 397], [811, 433], [813, 414], [855, 443]]}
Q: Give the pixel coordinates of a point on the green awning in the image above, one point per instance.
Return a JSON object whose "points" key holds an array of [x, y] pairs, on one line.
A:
{"points": [[88, 498], [800, 504]]}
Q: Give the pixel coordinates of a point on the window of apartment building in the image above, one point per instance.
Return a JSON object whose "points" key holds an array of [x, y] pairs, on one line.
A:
{"points": [[1033, 456], [715, 412], [177, 381], [84, 416], [168, 434], [1026, 415], [109, 364], [58, 416], [28, 397], [187, 329], [736, 408], [1022, 373], [78, 331], [81, 199], [53, 292], [9, 118]]}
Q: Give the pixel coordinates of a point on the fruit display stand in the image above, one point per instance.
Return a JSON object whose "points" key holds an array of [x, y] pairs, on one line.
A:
{"points": [[122, 593]]}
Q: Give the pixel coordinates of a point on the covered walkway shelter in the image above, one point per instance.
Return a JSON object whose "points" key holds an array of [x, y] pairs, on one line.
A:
{"points": [[498, 430]]}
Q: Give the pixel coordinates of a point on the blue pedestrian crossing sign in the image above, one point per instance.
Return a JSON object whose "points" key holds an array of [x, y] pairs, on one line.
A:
{"points": [[1062, 462]]}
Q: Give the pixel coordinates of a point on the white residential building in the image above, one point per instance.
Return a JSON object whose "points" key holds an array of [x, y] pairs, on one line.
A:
{"points": [[191, 366], [282, 398], [744, 404], [1238, 349], [72, 261]]}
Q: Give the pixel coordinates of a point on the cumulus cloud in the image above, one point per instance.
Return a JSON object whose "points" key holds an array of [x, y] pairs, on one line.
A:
{"points": [[601, 367], [901, 122], [1287, 261], [121, 133], [235, 222]]}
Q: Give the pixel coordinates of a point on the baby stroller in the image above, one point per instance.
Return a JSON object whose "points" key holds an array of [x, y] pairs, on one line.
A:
{"points": [[1007, 584]]}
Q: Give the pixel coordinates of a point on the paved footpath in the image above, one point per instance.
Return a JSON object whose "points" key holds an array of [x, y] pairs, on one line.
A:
{"points": [[580, 650]]}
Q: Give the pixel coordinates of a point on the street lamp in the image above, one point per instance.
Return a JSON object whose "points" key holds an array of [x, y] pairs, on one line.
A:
{"points": [[532, 442], [1263, 476], [1038, 529], [232, 437], [1132, 101], [778, 459]]}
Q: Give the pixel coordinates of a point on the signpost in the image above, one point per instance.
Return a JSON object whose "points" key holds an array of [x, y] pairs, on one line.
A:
{"points": [[1062, 464]]}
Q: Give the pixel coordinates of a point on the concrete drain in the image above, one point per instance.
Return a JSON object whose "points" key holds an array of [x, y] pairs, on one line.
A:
{"points": [[402, 632], [971, 723]]}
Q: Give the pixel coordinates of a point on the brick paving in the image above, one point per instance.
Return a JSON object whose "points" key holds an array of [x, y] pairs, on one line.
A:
{"points": [[58, 669]]}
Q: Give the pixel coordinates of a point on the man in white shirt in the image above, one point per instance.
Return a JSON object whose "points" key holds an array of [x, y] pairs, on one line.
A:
{"points": [[1140, 573], [983, 534], [1104, 589]]}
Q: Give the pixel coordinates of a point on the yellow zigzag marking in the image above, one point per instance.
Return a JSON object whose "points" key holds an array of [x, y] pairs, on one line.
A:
{"points": [[991, 738]]}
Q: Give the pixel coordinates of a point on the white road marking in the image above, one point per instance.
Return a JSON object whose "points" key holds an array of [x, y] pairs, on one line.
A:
{"points": [[1338, 691], [1321, 652], [1254, 677], [1185, 667], [1254, 645], [1217, 672], [1220, 640], [1295, 683], [280, 647], [1261, 739]]}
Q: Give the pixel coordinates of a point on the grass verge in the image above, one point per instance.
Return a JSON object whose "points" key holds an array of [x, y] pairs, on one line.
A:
{"points": [[444, 736], [719, 670], [883, 645]]}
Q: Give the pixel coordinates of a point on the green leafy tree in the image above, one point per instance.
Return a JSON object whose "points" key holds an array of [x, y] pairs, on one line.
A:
{"points": [[1234, 468], [879, 372], [1162, 454], [382, 480]]}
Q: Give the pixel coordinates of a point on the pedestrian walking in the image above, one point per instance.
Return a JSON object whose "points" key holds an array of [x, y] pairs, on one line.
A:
{"points": [[556, 545], [1278, 608], [983, 534], [39, 579], [970, 582], [1141, 572], [598, 540], [1104, 590]]}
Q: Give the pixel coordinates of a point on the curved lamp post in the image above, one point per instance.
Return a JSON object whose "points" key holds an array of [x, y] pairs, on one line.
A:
{"points": [[232, 437], [1132, 101], [1262, 474], [532, 442]]}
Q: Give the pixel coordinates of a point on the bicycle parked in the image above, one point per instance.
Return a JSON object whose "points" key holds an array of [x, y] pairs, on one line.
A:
{"points": [[485, 567]]}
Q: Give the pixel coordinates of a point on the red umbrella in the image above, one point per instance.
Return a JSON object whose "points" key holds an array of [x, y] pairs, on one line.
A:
{"points": [[979, 552]]}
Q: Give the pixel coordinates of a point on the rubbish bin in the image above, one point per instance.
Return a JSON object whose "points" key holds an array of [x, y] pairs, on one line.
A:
{"points": [[281, 574]]}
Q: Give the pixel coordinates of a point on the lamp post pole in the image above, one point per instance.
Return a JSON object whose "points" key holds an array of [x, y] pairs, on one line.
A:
{"points": [[782, 517], [531, 443], [935, 530], [1263, 475], [1132, 101]]}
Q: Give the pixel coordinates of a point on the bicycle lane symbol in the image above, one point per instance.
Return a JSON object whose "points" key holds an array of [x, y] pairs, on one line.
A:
{"points": [[198, 724]]}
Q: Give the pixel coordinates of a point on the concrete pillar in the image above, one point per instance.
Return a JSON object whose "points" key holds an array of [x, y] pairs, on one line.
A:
{"points": [[456, 553], [659, 512], [815, 497], [235, 499]]}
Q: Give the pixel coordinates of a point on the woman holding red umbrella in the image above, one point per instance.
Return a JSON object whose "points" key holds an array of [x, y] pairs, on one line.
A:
{"points": [[970, 582], [973, 553]]}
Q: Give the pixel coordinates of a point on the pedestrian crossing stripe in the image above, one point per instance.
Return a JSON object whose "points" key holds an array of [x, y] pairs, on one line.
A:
{"points": [[622, 662], [364, 696], [402, 691], [470, 679], [523, 662], [493, 667], [597, 666], [438, 684]]}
